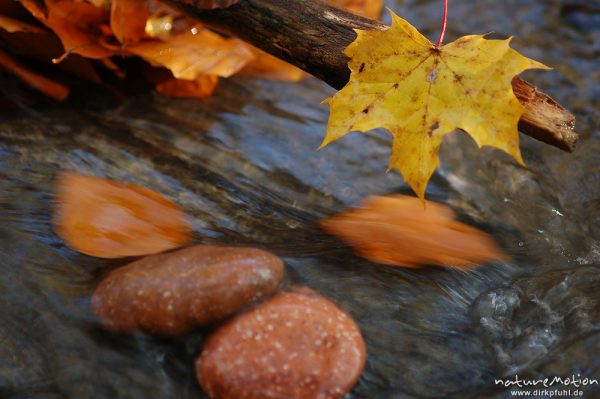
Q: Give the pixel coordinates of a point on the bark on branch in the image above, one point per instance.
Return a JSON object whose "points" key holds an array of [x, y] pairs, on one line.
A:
{"points": [[311, 35]]}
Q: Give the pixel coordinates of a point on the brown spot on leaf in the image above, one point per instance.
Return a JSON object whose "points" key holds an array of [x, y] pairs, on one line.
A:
{"points": [[433, 127], [362, 67]]}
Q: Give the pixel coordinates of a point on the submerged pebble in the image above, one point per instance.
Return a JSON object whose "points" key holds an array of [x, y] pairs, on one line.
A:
{"points": [[171, 293], [296, 345]]}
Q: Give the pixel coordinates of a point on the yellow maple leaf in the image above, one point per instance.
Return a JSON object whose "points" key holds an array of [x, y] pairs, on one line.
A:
{"points": [[402, 82]]}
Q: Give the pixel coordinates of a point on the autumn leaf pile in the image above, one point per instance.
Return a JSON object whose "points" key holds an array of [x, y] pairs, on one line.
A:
{"points": [[40, 40]]}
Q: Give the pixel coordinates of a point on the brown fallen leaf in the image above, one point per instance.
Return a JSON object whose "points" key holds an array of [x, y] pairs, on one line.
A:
{"points": [[264, 65], [128, 20], [12, 25], [55, 90], [195, 53], [37, 8], [110, 220], [33, 42], [202, 87], [166, 84], [77, 24], [398, 231], [14, 9], [158, 33]]}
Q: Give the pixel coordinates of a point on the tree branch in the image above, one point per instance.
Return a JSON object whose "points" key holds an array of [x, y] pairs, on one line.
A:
{"points": [[312, 35]]}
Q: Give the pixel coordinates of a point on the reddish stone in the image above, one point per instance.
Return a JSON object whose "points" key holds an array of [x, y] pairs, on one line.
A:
{"points": [[170, 294], [296, 345]]}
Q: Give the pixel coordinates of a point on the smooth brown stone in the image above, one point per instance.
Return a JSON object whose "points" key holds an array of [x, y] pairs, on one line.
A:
{"points": [[172, 293], [296, 345]]}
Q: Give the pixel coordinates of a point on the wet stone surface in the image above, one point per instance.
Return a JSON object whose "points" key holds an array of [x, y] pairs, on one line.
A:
{"points": [[296, 345], [243, 164], [171, 294]]}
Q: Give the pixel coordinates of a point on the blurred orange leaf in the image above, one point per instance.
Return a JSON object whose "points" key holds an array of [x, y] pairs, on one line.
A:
{"points": [[398, 231], [110, 220], [128, 19], [366, 8], [195, 53], [14, 25], [53, 89]]}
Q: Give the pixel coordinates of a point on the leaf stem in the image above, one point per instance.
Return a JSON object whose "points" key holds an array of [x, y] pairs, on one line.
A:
{"points": [[444, 23]]}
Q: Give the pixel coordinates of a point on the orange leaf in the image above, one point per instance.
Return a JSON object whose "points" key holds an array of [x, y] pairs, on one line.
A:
{"points": [[366, 8], [15, 10], [267, 66], [128, 19], [398, 231], [53, 89], [14, 25], [45, 46], [110, 220], [40, 44], [166, 84], [105, 4], [77, 24], [36, 8], [195, 53], [199, 88]]}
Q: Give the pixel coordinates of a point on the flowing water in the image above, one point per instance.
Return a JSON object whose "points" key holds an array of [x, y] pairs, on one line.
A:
{"points": [[243, 164]]}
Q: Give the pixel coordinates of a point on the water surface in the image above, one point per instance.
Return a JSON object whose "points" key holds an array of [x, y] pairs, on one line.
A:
{"points": [[243, 164]]}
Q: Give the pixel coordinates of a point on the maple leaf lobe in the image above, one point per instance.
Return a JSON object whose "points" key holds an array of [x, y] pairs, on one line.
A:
{"points": [[402, 82]]}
